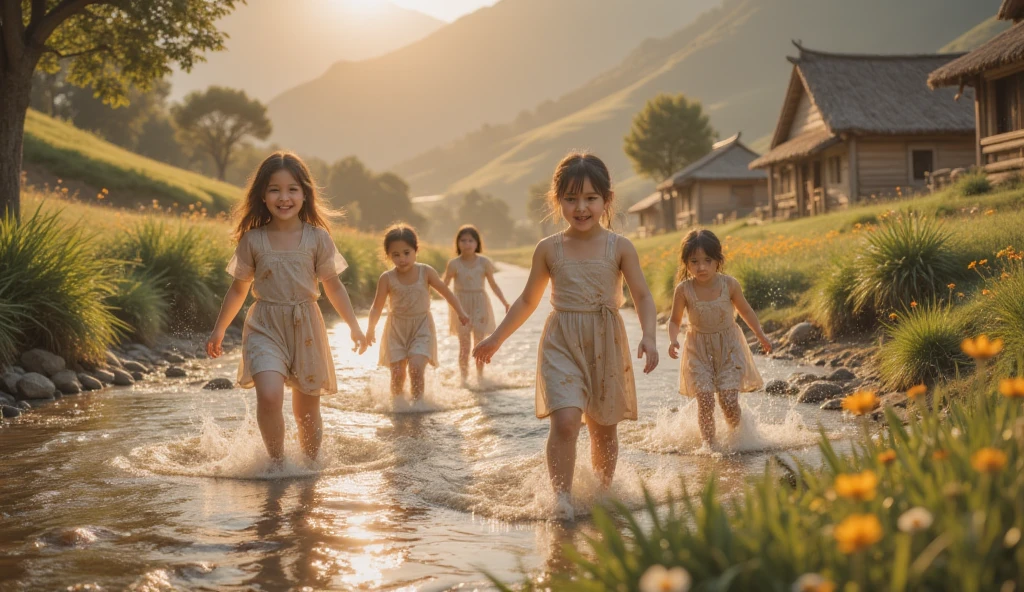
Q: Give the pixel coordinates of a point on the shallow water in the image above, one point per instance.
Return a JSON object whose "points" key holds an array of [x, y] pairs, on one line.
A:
{"points": [[165, 486]]}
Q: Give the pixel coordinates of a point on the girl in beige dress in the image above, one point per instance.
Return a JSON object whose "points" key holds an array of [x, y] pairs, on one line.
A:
{"points": [[716, 358], [409, 340], [284, 250], [584, 367], [469, 270]]}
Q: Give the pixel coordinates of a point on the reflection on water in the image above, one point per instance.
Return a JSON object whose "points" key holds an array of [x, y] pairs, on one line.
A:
{"points": [[167, 487]]}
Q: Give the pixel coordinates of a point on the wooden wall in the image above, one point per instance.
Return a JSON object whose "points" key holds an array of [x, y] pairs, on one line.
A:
{"points": [[885, 163]]}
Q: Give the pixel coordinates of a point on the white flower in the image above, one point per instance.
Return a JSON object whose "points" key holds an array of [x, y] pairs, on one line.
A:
{"points": [[811, 582], [914, 520], [659, 579]]}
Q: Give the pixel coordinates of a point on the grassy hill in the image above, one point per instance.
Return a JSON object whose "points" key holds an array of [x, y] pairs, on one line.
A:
{"points": [[87, 164], [984, 31], [732, 59], [485, 67]]}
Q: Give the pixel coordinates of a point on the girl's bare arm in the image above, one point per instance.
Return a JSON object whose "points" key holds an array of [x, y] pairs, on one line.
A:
{"points": [[233, 301], [629, 264], [434, 281], [377, 307]]}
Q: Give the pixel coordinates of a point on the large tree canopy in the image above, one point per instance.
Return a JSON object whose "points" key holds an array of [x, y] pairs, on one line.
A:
{"points": [[109, 45], [218, 119], [669, 133]]}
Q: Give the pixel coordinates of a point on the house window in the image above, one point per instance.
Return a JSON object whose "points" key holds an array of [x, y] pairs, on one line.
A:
{"points": [[835, 170], [743, 196], [1007, 103], [923, 163]]}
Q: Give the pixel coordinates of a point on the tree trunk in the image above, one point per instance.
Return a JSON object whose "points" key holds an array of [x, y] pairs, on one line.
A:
{"points": [[15, 95]]}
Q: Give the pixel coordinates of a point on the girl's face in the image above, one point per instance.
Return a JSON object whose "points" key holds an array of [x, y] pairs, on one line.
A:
{"points": [[284, 197], [402, 255], [583, 210], [701, 266], [467, 244]]}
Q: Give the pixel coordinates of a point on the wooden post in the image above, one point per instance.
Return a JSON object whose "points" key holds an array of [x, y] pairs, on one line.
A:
{"points": [[854, 170], [771, 191], [979, 133], [697, 202], [798, 186]]}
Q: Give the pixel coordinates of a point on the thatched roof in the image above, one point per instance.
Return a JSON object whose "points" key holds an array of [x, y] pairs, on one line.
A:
{"points": [[1011, 10], [728, 160], [643, 204], [866, 95], [1003, 49]]}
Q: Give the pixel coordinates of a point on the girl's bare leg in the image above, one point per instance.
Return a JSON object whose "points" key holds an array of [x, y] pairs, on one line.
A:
{"points": [[464, 350], [729, 401], [706, 416], [561, 447], [604, 450], [398, 378], [417, 375], [269, 401], [479, 363], [307, 417]]}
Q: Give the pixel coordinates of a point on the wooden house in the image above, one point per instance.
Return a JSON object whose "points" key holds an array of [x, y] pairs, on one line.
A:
{"points": [[718, 186], [860, 126], [995, 71]]}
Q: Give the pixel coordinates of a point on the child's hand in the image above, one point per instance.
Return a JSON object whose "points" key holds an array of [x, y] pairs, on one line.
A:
{"points": [[507, 306], [647, 348], [463, 318], [485, 349], [358, 340], [370, 337], [213, 344], [766, 344], [673, 350]]}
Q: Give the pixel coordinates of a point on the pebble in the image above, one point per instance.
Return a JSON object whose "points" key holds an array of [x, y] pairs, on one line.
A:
{"points": [[174, 358], [7, 399], [841, 375], [817, 392], [67, 382], [833, 405], [219, 384], [175, 372], [137, 376], [10, 411], [801, 333], [776, 387]]}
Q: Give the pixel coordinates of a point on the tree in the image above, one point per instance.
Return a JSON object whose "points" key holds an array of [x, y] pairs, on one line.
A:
{"points": [[110, 45], [669, 133], [218, 119], [538, 208], [381, 198], [488, 214]]}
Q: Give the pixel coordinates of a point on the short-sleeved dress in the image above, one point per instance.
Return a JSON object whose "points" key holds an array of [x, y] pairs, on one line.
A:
{"points": [[409, 329], [584, 360], [469, 289], [284, 330], [715, 356]]}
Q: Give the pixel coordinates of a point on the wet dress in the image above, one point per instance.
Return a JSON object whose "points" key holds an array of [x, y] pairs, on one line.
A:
{"points": [[715, 355], [409, 328], [583, 360], [469, 289], [284, 330]]}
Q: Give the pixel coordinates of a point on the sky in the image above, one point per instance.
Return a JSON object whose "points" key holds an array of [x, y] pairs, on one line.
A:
{"points": [[446, 10]]}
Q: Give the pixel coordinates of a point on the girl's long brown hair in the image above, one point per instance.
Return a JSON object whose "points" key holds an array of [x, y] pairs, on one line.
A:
{"points": [[699, 240], [569, 175], [252, 212]]}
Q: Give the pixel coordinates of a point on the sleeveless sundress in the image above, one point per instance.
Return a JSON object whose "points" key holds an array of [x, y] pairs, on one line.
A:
{"points": [[409, 329], [469, 289], [584, 360]]}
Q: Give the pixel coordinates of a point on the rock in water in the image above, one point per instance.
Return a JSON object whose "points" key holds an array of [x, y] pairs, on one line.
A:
{"points": [[35, 386], [841, 375], [776, 387], [10, 411], [800, 334], [89, 383], [104, 376], [816, 392], [122, 378], [67, 382], [832, 405], [175, 372], [219, 384], [133, 366], [42, 362]]}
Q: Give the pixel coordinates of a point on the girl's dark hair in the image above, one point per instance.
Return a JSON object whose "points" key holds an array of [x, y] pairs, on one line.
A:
{"points": [[699, 240], [569, 176], [401, 232], [471, 231], [252, 212]]}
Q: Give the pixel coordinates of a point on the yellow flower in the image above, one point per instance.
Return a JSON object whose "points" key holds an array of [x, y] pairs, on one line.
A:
{"points": [[940, 454], [860, 402], [988, 460], [983, 262], [981, 348], [1012, 387], [1004, 276], [989, 212], [659, 579], [858, 532], [892, 316], [985, 292], [916, 391], [972, 264], [887, 456], [915, 520], [859, 486], [959, 294], [950, 286], [812, 582]]}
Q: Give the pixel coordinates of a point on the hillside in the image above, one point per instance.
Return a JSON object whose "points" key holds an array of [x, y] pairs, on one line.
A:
{"points": [[732, 59], [485, 67], [984, 31], [86, 164], [331, 30]]}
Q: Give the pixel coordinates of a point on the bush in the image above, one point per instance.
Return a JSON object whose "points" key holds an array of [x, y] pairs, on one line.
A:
{"points": [[832, 306], [1004, 309], [906, 259], [55, 287], [851, 522], [975, 183], [768, 282], [14, 318], [923, 345], [142, 302], [189, 264]]}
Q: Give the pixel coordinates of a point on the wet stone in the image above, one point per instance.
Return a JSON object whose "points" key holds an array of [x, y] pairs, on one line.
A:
{"points": [[88, 382], [122, 378], [219, 384], [6, 399], [800, 334], [24, 405], [42, 362], [817, 392], [174, 358], [137, 376], [104, 376], [35, 386], [133, 366], [833, 405], [67, 382], [113, 360], [175, 372], [9, 381], [10, 411], [841, 375], [776, 387]]}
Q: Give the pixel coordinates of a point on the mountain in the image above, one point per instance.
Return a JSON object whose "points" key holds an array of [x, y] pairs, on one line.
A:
{"points": [[733, 59], [985, 30], [485, 67], [274, 45]]}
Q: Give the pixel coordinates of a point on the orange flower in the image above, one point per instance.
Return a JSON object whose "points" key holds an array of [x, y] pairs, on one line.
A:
{"points": [[887, 456], [972, 265], [981, 348], [985, 292], [940, 454], [857, 532], [892, 316], [1012, 388], [913, 304], [916, 391], [988, 460], [983, 262], [950, 286], [959, 294], [859, 486], [1004, 276], [860, 402]]}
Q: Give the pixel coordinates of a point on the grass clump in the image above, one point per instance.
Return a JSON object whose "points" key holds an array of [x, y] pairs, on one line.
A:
{"points": [[769, 283], [923, 346], [907, 259], [54, 289], [142, 302], [832, 306], [975, 183], [1003, 308]]}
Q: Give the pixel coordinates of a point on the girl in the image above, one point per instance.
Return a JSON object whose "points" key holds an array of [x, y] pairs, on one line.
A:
{"points": [[284, 248], [583, 369], [469, 270], [716, 358], [409, 337]]}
